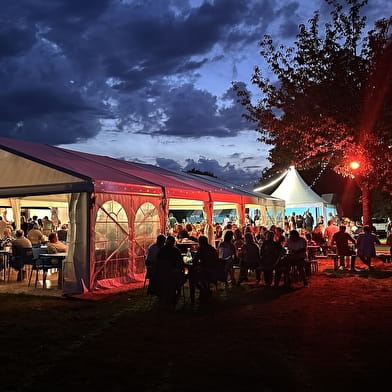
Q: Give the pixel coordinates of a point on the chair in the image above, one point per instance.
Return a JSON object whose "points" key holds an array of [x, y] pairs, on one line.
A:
{"points": [[23, 257], [43, 264]]}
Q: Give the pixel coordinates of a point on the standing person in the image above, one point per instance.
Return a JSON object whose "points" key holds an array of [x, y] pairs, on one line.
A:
{"points": [[389, 241], [329, 231], [286, 224], [169, 272], [249, 259], [151, 259], [270, 252], [279, 235], [227, 255], [228, 227], [225, 222], [292, 221], [299, 221], [260, 237], [238, 241], [172, 221], [341, 239], [24, 224], [47, 226], [309, 221], [320, 220], [389, 225], [366, 248], [31, 222], [218, 234]]}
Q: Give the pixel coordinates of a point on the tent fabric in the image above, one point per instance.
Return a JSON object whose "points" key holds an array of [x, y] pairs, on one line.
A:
{"points": [[33, 173], [299, 197], [296, 193], [88, 171]]}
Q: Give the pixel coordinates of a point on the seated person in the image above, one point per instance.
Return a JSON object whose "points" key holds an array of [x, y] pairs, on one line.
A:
{"points": [[18, 244], [5, 242], [192, 232], [35, 236], [312, 252], [56, 246], [62, 233], [297, 251], [318, 238], [203, 270], [7, 238]]}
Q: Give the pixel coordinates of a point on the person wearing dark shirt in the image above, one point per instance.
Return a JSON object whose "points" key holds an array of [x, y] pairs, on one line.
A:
{"points": [[270, 252], [341, 239], [169, 274], [151, 259], [366, 246], [62, 233], [297, 250], [249, 259], [203, 270]]}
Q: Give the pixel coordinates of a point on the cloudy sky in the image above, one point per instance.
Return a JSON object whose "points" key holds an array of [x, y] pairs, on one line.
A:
{"points": [[143, 80]]}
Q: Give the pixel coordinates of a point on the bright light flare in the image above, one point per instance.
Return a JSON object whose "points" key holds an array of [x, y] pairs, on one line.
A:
{"points": [[354, 165]]}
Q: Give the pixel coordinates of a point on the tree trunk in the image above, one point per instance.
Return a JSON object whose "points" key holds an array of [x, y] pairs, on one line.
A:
{"points": [[366, 207]]}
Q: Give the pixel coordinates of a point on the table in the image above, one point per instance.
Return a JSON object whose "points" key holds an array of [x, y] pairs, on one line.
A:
{"points": [[312, 251], [6, 260], [184, 245], [60, 257]]}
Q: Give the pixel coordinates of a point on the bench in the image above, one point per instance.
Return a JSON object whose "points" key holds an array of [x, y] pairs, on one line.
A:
{"points": [[384, 257], [335, 258], [311, 267]]}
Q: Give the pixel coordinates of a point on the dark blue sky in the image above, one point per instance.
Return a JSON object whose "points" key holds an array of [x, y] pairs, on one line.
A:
{"points": [[144, 80]]}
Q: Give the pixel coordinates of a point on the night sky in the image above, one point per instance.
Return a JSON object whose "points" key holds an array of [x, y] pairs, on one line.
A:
{"points": [[148, 81]]}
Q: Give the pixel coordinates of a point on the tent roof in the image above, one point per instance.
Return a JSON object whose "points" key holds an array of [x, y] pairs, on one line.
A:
{"points": [[37, 169], [230, 187], [296, 193], [40, 168]]}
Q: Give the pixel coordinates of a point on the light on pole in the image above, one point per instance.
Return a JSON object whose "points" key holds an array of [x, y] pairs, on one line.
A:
{"points": [[354, 165]]}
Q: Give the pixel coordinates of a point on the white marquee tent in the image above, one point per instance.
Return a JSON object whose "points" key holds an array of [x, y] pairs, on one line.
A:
{"points": [[299, 197]]}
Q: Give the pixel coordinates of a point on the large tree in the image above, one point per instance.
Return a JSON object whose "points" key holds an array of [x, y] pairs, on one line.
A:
{"points": [[329, 102]]}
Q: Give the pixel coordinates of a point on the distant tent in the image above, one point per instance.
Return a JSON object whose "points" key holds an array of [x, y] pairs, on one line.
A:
{"points": [[299, 197]]}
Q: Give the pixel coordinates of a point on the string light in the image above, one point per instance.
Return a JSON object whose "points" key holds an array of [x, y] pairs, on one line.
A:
{"points": [[324, 166], [261, 188]]}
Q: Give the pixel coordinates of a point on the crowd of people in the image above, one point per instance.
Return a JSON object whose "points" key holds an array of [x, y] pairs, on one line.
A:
{"points": [[269, 253], [33, 233]]}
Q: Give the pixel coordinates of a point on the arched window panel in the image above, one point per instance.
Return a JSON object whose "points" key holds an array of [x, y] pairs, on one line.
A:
{"points": [[111, 242], [146, 229]]}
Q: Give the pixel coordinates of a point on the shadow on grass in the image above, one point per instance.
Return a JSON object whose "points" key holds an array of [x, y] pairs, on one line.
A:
{"points": [[361, 273], [221, 300]]}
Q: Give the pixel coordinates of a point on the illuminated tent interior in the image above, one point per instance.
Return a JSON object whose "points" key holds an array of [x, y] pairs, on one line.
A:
{"points": [[115, 208], [299, 197]]}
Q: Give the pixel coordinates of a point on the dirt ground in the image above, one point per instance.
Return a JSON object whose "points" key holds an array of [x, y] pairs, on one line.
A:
{"points": [[333, 335]]}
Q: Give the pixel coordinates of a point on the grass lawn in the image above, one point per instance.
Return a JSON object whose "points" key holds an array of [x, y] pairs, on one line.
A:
{"points": [[333, 335]]}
